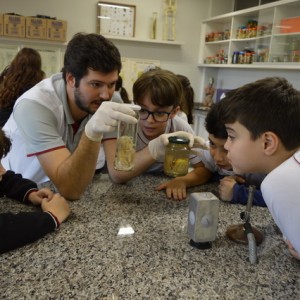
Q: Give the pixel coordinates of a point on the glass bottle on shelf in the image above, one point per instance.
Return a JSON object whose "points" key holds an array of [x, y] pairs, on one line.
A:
{"points": [[170, 18], [153, 26]]}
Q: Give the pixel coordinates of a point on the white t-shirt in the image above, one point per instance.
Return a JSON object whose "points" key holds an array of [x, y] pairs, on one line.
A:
{"points": [[281, 191], [181, 114], [210, 164]]}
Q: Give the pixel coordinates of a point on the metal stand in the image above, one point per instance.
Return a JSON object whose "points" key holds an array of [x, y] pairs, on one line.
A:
{"points": [[245, 233]]}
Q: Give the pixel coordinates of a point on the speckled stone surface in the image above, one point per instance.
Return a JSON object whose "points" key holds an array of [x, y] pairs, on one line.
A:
{"points": [[87, 259]]}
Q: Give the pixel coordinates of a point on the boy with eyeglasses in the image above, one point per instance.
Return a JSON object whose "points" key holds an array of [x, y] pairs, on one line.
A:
{"points": [[158, 92]]}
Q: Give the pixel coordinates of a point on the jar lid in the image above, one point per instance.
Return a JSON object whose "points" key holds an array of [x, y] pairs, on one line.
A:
{"points": [[178, 140]]}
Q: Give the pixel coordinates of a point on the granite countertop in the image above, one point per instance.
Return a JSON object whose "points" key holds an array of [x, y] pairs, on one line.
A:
{"points": [[87, 259]]}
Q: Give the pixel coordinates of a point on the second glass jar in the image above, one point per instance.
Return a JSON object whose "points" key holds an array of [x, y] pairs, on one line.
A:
{"points": [[177, 157]]}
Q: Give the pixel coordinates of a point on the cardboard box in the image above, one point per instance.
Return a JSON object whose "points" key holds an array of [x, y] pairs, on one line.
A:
{"points": [[36, 28], [14, 25], [290, 25], [1, 24], [57, 30]]}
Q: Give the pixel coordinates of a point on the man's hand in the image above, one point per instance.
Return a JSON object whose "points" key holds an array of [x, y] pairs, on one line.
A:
{"points": [[106, 118], [157, 146]]}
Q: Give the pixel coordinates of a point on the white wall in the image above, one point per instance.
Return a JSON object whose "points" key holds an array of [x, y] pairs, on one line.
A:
{"points": [[81, 17]]}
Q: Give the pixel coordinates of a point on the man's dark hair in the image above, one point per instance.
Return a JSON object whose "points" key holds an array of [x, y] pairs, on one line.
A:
{"points": [[270, 104], [90, 51]]}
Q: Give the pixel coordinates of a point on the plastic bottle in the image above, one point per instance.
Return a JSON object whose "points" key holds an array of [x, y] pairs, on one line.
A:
{"points": [[235, 57]]}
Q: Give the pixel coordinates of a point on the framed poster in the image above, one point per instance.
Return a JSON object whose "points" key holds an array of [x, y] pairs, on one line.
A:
{"points": [[116, 19]]}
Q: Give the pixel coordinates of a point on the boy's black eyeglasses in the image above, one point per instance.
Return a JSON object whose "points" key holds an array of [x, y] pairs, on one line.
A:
{"points": [[158, 116]]}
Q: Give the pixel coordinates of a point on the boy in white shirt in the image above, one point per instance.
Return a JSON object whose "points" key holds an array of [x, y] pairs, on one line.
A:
{"points": [[262, 121]]}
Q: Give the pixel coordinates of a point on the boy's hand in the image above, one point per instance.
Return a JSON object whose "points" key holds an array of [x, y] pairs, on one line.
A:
{"points": [[226, 187], [58, 205], [37, 197], [175, 189], [106, 118], [157, 146], [292, 249]]}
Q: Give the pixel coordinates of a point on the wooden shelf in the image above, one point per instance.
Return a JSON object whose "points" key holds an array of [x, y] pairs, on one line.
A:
{"points": [[149, 41], [281, 66], [24, 41]]}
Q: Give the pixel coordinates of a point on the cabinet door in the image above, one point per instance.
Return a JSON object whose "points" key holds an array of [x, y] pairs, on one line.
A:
{"points": [[285, 46], [215, 41]]}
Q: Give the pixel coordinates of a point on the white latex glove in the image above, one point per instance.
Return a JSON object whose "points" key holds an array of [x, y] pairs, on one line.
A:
{"points": [[157, 146], [106, 118]]}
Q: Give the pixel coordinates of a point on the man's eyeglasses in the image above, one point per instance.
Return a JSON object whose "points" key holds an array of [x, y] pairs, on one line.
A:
{"points": [[158, 116]]}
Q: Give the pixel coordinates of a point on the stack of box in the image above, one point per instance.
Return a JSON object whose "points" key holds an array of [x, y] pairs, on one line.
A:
{"points": [[56, 30], [1, 24], [14, 25], [37, 27]]}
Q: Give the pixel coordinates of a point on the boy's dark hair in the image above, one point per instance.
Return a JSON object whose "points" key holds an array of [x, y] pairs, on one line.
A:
{"points": [[270, 104], [5, 144], [162, 86], [90, 51], [214, 125]]}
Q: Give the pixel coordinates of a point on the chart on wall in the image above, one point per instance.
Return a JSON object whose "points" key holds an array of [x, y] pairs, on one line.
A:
{"points": [[116, 19], [51, 60], [7, 53], [132, 69]]}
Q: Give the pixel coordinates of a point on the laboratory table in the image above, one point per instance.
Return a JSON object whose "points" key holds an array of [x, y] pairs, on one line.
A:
{"points": [[128, 241]]}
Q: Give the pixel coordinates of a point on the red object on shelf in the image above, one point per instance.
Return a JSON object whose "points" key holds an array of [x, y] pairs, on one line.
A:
{"points": [[290, 25]]}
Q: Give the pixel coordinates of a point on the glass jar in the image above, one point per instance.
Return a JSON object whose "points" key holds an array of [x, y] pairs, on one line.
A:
{"points": [[177, 157], [126, 143]]}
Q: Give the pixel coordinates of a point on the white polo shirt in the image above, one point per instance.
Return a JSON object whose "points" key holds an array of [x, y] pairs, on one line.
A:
{"points": [[281, 191], [41, 122]]}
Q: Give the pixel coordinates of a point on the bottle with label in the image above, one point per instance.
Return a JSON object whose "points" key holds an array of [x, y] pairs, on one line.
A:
{"points": [[235, 57], [126, 143], [177, 157]]}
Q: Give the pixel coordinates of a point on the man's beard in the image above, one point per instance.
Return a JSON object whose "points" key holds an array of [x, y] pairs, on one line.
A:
{"points": [[78, 101]]}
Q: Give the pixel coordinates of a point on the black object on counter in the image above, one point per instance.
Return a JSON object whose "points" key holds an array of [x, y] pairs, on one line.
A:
{"points": [[201, 245]]}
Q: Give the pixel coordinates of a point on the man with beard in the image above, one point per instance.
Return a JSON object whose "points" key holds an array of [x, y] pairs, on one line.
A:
{"points": [[57, 126]]}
